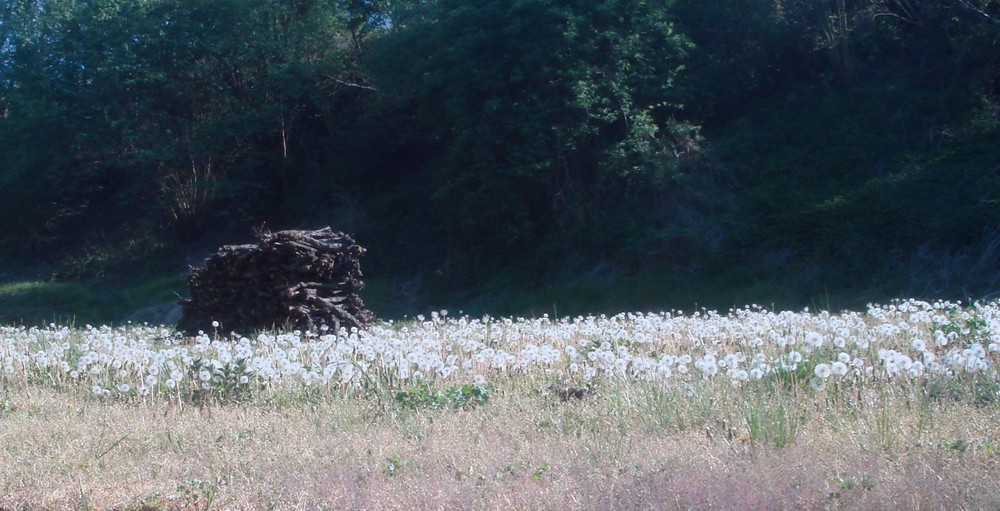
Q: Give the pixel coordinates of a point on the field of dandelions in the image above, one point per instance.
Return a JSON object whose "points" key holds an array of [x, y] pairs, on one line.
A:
{"points": [[894, 407]]}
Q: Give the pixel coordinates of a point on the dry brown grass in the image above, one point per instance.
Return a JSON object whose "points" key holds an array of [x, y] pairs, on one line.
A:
{"points": [[628, 446]]}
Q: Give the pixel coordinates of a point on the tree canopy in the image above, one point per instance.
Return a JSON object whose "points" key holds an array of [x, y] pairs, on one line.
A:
{"points": [[832, 139]]}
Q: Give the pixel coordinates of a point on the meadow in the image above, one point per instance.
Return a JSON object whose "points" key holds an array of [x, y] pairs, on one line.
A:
{"points": [[894, 407]]}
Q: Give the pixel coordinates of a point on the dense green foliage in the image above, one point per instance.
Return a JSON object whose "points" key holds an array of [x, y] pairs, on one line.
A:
{"points": [[819, 147]]}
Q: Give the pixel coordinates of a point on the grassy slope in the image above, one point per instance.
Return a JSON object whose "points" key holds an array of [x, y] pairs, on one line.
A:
{"points": [[41, 302]]}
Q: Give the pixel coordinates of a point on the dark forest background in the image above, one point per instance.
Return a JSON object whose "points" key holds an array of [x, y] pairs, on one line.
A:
{"points": [[506, 156]]}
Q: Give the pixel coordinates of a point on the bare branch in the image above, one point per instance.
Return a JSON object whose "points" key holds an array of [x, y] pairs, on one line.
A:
{"points": [[352, 85], [969, 6]]}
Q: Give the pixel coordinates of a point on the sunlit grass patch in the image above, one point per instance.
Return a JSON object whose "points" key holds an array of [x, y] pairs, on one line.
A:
{"points": [[38, 302]]}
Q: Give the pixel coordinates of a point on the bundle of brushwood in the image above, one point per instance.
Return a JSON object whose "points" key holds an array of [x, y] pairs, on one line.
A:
{"points": [[301, 279]]}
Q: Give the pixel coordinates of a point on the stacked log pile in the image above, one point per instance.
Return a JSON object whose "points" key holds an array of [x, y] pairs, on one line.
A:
{"points": [[301, 279]]}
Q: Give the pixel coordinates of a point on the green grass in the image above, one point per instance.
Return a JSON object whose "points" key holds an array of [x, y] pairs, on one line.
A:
{"points": [[37, 302], [649, 290]]}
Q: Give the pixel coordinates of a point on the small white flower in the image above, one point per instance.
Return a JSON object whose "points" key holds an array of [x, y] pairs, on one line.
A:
{"points": [[204, 376]]}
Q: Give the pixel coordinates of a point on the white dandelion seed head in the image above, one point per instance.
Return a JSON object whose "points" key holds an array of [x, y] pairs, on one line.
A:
{"points": [[940, 338], [977, 350], [817, 383], [838, 368], [814, 339], [822, 371]]}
